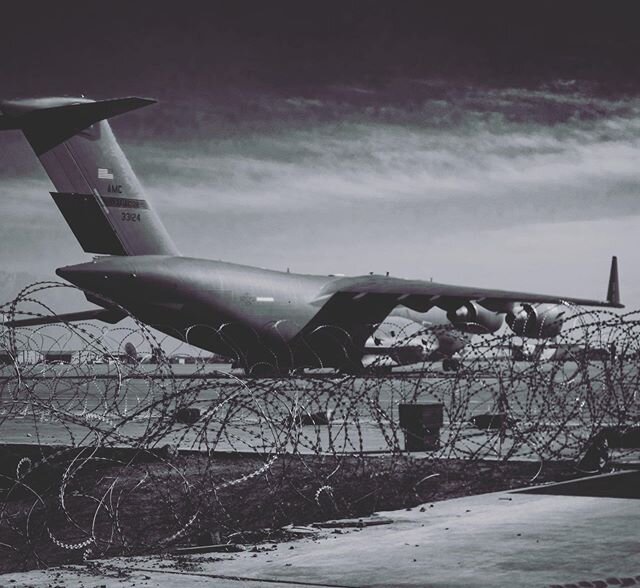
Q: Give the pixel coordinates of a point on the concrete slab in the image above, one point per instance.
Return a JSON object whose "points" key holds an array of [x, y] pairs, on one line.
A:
{"points": [[492, 540], [85, 578], [499, 539]]}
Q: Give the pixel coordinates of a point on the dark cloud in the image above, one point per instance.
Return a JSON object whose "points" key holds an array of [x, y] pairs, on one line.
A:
{"points": [[177, 49]]}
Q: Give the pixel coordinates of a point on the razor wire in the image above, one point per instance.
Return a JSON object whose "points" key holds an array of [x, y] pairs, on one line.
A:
{"points": [[110, 451]]}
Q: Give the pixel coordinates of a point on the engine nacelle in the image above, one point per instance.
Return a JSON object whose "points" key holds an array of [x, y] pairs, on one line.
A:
{"points": [[473, 318], [541, 321]]}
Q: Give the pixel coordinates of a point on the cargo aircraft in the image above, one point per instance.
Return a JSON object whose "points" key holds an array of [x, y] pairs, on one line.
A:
{"points": [[407, 337], [268, 322]]}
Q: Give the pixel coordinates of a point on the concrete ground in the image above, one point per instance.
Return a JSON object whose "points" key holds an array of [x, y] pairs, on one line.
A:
{"points": [[86, 400], [498, 539]]}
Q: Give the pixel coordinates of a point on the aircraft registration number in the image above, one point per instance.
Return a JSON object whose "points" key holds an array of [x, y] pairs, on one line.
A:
{"points": [[133, 217]]}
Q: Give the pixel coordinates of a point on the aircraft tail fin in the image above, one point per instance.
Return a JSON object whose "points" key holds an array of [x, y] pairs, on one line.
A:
{"points": [[97, 192], [613, 290]]}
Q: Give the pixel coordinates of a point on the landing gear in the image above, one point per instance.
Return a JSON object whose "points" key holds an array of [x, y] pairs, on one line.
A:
{"points": [[381, 370], [451, 365], [265, 370]]}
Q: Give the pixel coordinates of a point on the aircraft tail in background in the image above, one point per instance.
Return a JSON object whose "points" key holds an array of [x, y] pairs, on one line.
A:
{"points": [[97, 192], [613, 289]]}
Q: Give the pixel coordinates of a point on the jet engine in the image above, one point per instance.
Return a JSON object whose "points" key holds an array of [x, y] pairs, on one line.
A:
{"points": [[472, 318], [541, 321]]}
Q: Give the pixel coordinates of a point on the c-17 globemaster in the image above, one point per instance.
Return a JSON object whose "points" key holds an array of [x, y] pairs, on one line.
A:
{"points": [[407, 337], [269, 322]]}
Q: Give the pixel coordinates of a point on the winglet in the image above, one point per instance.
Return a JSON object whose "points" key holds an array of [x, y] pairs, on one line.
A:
{"points": [[613, 291]]}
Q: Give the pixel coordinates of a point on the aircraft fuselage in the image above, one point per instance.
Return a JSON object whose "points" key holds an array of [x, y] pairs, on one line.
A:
{"points": [[250, 314]]}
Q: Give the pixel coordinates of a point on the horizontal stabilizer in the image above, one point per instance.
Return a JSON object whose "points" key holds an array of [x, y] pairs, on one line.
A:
{"points": [[51, 121], [105, 315]]}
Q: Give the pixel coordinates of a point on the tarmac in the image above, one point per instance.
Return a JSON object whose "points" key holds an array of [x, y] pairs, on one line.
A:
{"points": [[70, 405], [569, 535]]}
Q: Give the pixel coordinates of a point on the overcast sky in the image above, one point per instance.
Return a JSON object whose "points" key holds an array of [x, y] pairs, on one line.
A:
{"points": [[485, 148]]}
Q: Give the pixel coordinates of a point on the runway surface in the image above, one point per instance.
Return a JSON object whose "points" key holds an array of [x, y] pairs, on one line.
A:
{"points": [[553, 410]]}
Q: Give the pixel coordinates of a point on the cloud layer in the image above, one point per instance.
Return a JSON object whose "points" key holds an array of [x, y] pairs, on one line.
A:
{"points": [[417, 177]]}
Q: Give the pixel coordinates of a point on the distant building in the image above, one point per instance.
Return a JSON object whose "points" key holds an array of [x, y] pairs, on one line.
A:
{"points": [[82, 356], [58, 356], [184, 358], [30, 356], [216, 358], [86, 356], [90, 356]]}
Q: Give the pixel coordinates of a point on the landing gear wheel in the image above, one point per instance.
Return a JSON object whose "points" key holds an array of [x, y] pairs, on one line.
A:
{"points": [[451, 365], [264, 370]]}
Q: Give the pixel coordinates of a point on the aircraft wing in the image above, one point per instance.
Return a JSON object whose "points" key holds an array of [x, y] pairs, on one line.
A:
{"points": [[422, 295], [111, 316]]}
